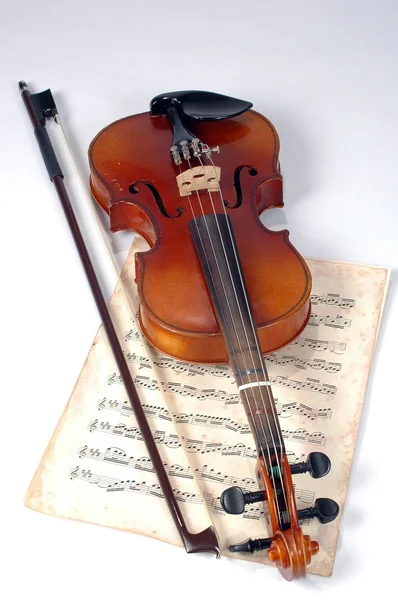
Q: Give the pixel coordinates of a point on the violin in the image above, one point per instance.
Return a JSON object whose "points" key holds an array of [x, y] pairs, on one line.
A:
{"points": [[192, 177]]}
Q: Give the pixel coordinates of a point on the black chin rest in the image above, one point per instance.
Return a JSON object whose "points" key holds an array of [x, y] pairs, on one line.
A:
{"points": [[203, 106]]}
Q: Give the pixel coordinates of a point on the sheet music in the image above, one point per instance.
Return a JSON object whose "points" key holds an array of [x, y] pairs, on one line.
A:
{"points": [[96, 467]]}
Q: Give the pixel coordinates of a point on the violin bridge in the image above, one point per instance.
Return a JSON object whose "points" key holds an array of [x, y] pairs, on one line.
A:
{"points": [[199, 178]]}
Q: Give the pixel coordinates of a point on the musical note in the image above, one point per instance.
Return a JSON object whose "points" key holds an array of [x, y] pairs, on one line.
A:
{"points": [[337, 321], [206, 421], [110, 484], [302, 435], [333, 300], [309, 385], [187, 391], [157, 412], [303, 363], [285, 410], [118, 456], [222, 448], [320, 345], [191, 445], [295, 408], [220, 371]]}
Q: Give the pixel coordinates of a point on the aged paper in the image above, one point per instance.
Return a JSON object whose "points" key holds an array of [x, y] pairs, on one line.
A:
{"points": [[96, 468]]}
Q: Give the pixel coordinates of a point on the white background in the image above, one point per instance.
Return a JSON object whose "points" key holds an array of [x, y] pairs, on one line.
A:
{"points": [[325, 73]]}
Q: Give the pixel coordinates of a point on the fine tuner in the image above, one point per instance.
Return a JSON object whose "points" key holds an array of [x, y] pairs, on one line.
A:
{"points": [[179, 107]]}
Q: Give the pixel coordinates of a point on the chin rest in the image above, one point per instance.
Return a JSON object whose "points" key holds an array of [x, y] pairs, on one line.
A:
{"points": [[202, 106]]}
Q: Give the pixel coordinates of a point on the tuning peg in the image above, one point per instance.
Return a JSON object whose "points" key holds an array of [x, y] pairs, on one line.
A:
{"points": [[233, 500], [317, 465], [252, 545], [324, 509]]}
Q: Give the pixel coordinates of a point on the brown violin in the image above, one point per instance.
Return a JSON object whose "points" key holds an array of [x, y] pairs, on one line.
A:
{"points": [[192, 177]]}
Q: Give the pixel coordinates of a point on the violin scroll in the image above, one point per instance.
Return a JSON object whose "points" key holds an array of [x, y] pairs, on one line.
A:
{"points": [[288, 548]]}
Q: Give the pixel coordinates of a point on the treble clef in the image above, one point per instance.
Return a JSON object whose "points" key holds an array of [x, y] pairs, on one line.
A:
{"points": [[83, 451], [93, 425], [73, 473]]}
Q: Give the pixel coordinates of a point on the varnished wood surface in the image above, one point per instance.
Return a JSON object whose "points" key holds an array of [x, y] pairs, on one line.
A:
{"points": [[291, 551], [176, 313]]}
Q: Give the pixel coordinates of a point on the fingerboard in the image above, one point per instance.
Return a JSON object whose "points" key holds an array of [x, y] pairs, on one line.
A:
{"points": [[218, 255]]}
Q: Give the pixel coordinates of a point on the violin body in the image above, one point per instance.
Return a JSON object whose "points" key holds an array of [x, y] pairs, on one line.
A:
{"points": [[134, 180]]}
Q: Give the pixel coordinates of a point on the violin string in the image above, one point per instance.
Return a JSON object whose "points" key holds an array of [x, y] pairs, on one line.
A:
{"points": [[230, 310], [218, 268], [264, 369], [232, 320], [270, 398]]}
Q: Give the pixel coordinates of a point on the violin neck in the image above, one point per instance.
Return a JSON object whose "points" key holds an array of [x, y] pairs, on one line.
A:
{"points": [[215, 246]]}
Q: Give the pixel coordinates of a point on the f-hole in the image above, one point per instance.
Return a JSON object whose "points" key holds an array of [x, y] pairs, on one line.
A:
{"points": [[237, 184], [157, 197]]}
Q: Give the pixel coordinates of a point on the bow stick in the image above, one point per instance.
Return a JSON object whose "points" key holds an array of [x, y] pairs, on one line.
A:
{"points": [[40, 107]]}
